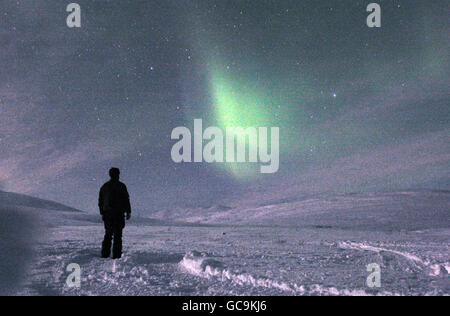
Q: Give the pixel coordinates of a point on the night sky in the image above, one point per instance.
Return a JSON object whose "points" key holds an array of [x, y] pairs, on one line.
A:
{"points": [[359, 109]]}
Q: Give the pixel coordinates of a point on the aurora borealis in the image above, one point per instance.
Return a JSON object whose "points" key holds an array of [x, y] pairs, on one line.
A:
{"points": [[358, 109]]}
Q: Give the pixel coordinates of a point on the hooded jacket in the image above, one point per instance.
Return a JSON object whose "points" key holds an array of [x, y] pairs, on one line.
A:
{"points": [[114, 199]]}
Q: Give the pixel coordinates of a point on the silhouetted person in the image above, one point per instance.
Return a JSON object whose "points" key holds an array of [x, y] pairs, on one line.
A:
{"points": [[114, 204]]}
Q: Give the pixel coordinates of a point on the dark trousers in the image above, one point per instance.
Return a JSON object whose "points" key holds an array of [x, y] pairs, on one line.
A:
{"points": [[113, 231]]}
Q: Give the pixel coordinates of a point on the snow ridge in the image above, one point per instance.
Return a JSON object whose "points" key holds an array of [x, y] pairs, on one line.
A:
{"points": [[197, 264], [205, 267], [432, 269]]}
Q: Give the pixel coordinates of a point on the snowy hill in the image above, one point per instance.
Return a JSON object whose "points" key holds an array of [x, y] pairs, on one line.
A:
{"points": [[22, 220], [387, 211], [317, 245], [8, 199]]}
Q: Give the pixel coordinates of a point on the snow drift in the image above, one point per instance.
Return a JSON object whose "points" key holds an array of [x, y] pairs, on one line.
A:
{"points": [[16, 233], [20, 219], [20, 200]]}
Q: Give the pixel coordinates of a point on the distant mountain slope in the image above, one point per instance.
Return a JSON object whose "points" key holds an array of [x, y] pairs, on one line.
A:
{"points": [[8, 199], [391, 211]]}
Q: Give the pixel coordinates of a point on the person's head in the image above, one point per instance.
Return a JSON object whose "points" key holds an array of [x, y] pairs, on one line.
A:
{"points": [[114, 173]]}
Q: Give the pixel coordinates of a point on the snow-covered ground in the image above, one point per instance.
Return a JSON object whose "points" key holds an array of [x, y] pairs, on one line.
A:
{"points": [[316, 246]]}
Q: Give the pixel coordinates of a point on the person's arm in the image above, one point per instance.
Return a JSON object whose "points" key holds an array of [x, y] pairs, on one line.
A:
{"points": [[127, 202], [100, 201]]}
